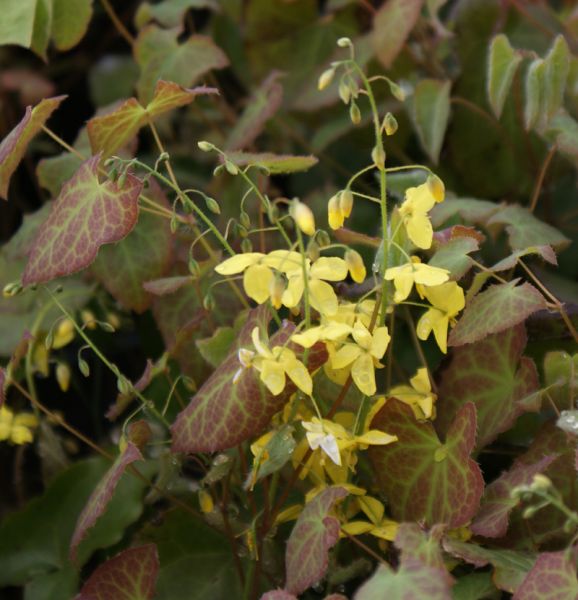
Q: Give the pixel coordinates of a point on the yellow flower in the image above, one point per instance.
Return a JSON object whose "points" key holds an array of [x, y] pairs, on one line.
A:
{"points": [[355, 265], [259, 278], [321, 295], [303, 216], [339, 208], [363, 355], [419, 396], [447, 301], [63, 333], [437, 187], [332, 331], [418, 201], [414, 272], [273, 365], [378, 525], [18, 428], [322, 434]]}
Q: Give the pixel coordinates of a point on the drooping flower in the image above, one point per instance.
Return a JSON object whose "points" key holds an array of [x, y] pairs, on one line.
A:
{"points": [[355, 265], [447, 301], [339, 208], [418, 395], [412, 272], [17, 428], [418, 202], [363, 355], [303, 216], [321, 295]]}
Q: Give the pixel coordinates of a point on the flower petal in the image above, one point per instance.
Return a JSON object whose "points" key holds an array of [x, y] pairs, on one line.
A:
{"points": [[322, 297], [238, 263], [292, 295], [257, 282], [298, 374], [273, 376], [363, 374], [345, 356], [330, 268], [380, 342]]}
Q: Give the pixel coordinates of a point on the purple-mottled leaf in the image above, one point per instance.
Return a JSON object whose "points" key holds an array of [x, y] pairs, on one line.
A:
{"points": [[545, 252], [423, 477], [497, 308], [167, 285], [416, 545], [493, 374], [86, 215], [314, 534], [130, 575], [224, 413], [102, 495], [553, 577], [14, 145], [497, 501], [453, 256], [144, 254]]}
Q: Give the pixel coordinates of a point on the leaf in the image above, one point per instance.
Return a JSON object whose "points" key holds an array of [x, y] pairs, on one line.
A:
{"points": [[563, 129], [57, 585], [453, 256], [314, 534], [471, 210], [112, 131], [392, 25], [101, 496], [278, 595], [216, 348], [167, 285], [261, 107], [525, 230], [33, 545], [273, 163], [170, 13], [430, 113], [14, 145], [423, 477], [196, 561], [224, 413], [553, 577], [130, 575], [545, 252], [493, 374], [475, 586], [160, 56], [557, 66], [498, 502], [120, 267], [17, 22], [42, 28], [503, 62], [499, 307], [534, 92], [561, 377], [70, 20], [86, 215], [417, 546]]}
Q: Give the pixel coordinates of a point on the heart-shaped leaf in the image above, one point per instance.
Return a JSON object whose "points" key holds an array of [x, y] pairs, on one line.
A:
{"points": [[557, 66], [503, 62], [14, 145], [314, 534], [130, 575], [493, 375], [86, 215], [423, 477]]}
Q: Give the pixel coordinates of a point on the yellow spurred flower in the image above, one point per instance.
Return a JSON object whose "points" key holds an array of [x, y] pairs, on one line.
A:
{"points": [[274, 364], [418, 202], [17, 428], [447, 301], [355, 265], [363, 355], [414, 272], [321, 295], [418, 395], [63, 333], [378, 525], [259, 277], [437, 187], [303, 216], [332, 331]]}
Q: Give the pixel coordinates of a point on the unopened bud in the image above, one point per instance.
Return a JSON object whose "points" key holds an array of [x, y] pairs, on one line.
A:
{"points": [[303, 216], [212, 205], [206, 146], [325, 79], [208, 302], [313, 251], [88, 319], [355, 265], [389, 124], [397, 91], [344, 92], [346, 202], [246, 245], [335, 215], [83, 367], [378, 156], [12, 289], [323, 238], [123, 385], [344, 42], [541, 482], [244, 219], [232, 169], [63, 376], [354, 114]]}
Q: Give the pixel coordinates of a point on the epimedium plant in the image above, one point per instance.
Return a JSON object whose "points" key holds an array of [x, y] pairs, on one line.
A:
{"points": [[317, 420]]}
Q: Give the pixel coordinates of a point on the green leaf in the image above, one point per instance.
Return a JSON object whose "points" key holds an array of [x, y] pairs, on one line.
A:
{"points": [[525, 230], [33, 544], [475, 586], [430, 113], [196, 560], [160, 56], [17, 22], [557, 66], [471, 210], [14, 145], [70, 19], [493, 374], [563, 130], [314, 534], [545, 252], [86, 215], [453, 256], [503, 62], [224, 413], [275, 455], [498, 501], [109, 132], [101, 497], [553, 577], [534, 92], [392, 25], [112, 78], [561, 377], [216, 348], [57, 585], [499, 307], [42, 27], [273, 163], [261, 107], [132, 575], [120, 267], [170, 13], [423, 477]]}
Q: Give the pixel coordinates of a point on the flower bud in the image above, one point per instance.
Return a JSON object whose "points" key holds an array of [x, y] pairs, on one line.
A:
{"points": [[63, 334], [437, 188], [355, 114], [246, 245], [344, 92], [244, 219], [378, 156], [63, 376], [231, 168], [139, 433], [12, 289], [346, 202], [313, 251], [541, 482], [389, 124], [323, 238], [212, 205], [334, 213], [88, 319], [355, 265], [194, 268], [325, 79], [303, 216], [344, 42], [397, 91], [206, 146]]}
